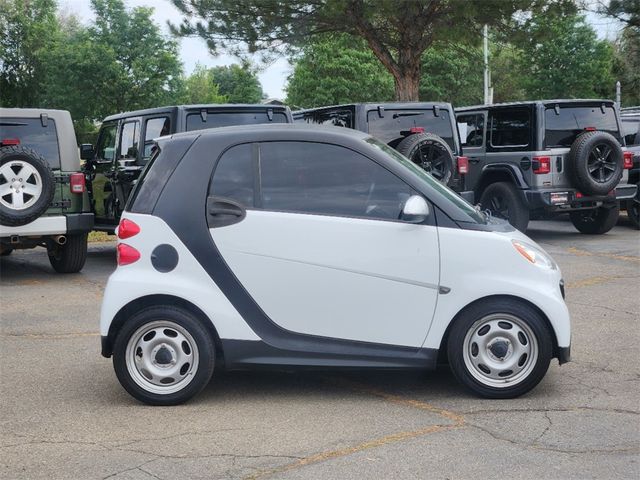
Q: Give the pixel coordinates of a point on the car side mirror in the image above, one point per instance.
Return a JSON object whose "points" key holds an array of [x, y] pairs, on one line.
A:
{"points": [[415, 210], [86, 151]]}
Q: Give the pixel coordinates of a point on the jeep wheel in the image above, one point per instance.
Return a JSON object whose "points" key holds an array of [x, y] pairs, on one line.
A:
{"points": [[504, 201], [5, 252], [595, 163], [26, 185], [70, 257], [429, 152], [597, 220], [633, 209]]}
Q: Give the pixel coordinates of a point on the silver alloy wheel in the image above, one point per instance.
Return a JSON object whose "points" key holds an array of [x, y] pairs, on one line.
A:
{"points": [[500, 350], [22, 185], [162, 357]]}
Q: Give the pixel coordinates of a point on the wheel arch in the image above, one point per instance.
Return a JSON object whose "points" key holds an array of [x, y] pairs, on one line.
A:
{"points": [[494, 173], [159, 300], [442, 351]]}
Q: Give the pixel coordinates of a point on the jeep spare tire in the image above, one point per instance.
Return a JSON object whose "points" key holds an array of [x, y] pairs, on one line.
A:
{"points": [[26, 185], [595, 163], [431, 153]]}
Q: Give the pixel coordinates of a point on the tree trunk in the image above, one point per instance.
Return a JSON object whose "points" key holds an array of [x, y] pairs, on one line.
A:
{"points": [[407, 86]]}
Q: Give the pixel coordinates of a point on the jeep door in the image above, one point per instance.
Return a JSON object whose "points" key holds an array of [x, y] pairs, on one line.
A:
{"points": [[102, 166], [318, 243], [471, 127]]}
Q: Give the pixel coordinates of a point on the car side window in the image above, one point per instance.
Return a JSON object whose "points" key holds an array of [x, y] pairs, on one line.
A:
{"points": [[129, 140], [106, 147], [471, 128], [319, 178], [154, 128], [510, 128], [233, 176]]}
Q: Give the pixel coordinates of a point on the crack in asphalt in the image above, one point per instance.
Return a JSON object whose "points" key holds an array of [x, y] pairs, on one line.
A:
{"points": [[573, 302]]}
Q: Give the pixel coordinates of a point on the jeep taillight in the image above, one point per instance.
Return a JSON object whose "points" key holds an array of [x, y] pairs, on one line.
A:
{"points": [[126, 254], [77, 183], [5, 142], [463, 165], [627, 160], [127, 229], [541, 165], [413, 130]]}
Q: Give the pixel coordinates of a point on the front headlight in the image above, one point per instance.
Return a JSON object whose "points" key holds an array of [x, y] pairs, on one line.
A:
{"points": [[534, 255]]}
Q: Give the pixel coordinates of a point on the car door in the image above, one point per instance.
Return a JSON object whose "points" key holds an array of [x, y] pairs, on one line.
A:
{"points": [[320, 247], [102, 166], [472, 136]]}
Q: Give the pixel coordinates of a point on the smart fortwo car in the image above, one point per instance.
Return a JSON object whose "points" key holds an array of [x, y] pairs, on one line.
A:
{"points": [[307, 246]]}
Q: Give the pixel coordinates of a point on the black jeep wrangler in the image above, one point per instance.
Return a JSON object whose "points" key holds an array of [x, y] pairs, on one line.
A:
{"points": [[125, 145], [424, 132], [532, 160]]}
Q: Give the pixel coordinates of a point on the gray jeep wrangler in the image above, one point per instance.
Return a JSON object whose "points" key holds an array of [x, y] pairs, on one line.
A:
{"points": [[630, 117], [533, 160], [43, 200]]}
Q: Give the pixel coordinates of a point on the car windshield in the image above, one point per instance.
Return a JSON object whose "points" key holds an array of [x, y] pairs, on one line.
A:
{"points": [[396, 123], [445, 191], [564, 123], [32, 134], [196, 121]]}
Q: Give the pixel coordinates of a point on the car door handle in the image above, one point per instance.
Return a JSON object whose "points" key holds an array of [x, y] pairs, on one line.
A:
{"points": [[223, 211]]}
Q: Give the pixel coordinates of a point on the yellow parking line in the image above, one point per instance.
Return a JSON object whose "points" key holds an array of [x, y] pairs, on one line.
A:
{"points": [[584, 253]]}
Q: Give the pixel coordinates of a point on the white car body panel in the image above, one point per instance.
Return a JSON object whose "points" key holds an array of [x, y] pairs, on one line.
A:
{"points": [[188, 281], [40, 226], [356, 279]]}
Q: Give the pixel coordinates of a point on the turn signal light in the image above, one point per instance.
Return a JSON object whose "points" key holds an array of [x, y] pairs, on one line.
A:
{"points": [[127, 254], [77, 183], [541, 165], [463, 164], [628, 160], [127, 229]]}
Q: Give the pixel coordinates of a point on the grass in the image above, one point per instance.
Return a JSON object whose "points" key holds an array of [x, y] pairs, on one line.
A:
{"points": [[100, 237]]}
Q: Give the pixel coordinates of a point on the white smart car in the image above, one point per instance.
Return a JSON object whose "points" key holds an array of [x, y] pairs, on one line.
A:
{"points": [[306, 246]]}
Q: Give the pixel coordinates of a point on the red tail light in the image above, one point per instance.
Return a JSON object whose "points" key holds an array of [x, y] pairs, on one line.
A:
{"points": [[579, 195], [10, 141], [541, 165], [127, 254], [416, 130], [127, 229], [77, 183], [627, 160], [463, 165], [589, 129]]}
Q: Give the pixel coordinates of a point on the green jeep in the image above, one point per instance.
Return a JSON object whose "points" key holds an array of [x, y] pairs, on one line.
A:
{"points": [[43, 198]]}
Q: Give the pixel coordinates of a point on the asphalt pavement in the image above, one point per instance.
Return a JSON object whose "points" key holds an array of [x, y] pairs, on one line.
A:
{"points": [[65, 416]]}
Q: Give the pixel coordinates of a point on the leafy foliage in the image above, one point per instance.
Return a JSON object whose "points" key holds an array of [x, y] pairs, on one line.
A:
{"points": [[200, 87], [238, 83]]}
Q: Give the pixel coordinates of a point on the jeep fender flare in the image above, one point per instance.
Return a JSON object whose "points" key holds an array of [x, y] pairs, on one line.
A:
{"points": [[501, 172]]}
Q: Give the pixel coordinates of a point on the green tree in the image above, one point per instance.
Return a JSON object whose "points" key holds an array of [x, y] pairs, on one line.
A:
{"points": [[627, 67], [200, 87], [238, 83], [398, 32], [337, 69], [28, 28]]}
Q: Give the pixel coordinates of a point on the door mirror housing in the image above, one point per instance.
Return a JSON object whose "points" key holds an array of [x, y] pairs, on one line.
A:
{"points": [[86, 151], [415, 210]]}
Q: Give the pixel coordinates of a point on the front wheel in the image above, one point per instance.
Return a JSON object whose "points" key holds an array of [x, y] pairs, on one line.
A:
{"points": [[504, 201], [499, 348], [597, 220], [163, 356], [70, 257]]}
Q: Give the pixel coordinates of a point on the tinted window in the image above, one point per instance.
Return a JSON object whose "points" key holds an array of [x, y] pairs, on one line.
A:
{"points": [[154, 128], [395, 122], [106, 147], [564, 125], [510, 128], [471, 128], [32, 134], [233, 176], [129, 140], [226, 119], [631, 131], [328, 179], [336, 118]]}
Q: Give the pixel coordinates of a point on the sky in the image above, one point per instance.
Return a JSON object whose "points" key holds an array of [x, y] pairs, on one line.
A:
{"points": [[273, 77]]}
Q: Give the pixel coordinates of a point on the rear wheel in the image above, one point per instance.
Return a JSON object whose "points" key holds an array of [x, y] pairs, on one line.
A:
{"points": [[500, 348], [633, 209], [70, 257], [597, 220], [504, 201], [163, 356]]}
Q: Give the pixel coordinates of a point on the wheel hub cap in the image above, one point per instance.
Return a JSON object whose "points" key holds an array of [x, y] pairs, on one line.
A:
{"points": [[164, 355], [500, 348]]}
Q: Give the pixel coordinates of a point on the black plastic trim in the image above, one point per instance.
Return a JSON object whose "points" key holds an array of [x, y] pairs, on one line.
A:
{"points": [[106, 349], [79, 222], [564, 354], [512, 170]]}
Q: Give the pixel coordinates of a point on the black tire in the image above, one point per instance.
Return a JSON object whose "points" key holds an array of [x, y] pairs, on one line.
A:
{"points": [[170, 315], [595, 163], [431, 153], [13, 156], [5, 252], [503, 200], [509, 309], [597, 220], [70, 257], [633, 209]]}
